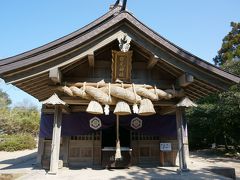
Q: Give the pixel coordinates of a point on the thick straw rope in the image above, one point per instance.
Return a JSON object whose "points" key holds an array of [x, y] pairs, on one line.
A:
{"points": [[97, 94], [161, 94], [144, 93], [80, 92], [107, 94]]}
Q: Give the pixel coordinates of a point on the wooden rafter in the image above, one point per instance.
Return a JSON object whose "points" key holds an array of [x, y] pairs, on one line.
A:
{"points": [[197, 90], [193, 93], [208, 91], [32, 79], [206, 85]]}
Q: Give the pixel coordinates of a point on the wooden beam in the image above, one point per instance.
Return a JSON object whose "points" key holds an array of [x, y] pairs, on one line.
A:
{"points": [[198, 90], [152, 61], [55, 75], [32, 79], [184, 80], [78, 101], [71, 66], [35, 83], [193, 93], [189, 94], [206, 90], [65, 109], [39, 86], [40, 90], [91, 60], [192, 97], [210, 87], [161, 84], [167, 110]]}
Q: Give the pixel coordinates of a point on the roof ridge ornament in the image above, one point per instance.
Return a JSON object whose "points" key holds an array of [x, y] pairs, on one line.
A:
{"points": [[123, 4]]}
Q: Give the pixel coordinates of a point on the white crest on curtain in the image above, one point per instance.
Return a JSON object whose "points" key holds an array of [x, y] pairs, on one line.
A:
{"points": [[95, 123], [136, 123]]}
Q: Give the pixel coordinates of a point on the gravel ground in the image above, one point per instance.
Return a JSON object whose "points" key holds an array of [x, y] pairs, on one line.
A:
{"points": [[21, 162]]}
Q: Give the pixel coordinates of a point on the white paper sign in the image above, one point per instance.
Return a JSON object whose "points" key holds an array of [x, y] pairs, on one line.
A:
{"points": [[165, 146]]}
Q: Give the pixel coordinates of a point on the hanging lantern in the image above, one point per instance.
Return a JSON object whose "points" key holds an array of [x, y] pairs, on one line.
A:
{"points": [[122, 108], [94, 107], [146, 108]]}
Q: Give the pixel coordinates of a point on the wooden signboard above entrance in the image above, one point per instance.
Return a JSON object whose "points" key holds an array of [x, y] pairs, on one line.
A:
{"points": [[121, 66]]}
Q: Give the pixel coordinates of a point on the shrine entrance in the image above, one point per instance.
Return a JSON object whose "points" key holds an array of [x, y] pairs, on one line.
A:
{"points": [[109, 148], [109, 137]]}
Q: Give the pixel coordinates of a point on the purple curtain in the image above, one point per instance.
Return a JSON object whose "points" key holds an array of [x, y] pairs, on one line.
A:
{"points": [[78, 124]]}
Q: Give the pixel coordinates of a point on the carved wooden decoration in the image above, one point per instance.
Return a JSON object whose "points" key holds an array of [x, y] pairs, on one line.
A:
{"points": [[124, 43], [121, 66]]}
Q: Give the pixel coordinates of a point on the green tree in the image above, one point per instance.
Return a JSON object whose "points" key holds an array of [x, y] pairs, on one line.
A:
{"points": [[18, 125], [5, 101], [230, 50], [216, 120]]}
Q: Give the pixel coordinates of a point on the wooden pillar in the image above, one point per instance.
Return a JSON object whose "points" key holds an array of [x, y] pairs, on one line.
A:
{"points": [[180, 130], [56, 137], [65, 150], [40, 152], [185, 138]]}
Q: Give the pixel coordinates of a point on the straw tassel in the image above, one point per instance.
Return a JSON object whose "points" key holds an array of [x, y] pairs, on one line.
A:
{"points": [[122, 108], [135, 106], [94, 107], [146, 108], [106, 109], [118, 155], [135, 109]]}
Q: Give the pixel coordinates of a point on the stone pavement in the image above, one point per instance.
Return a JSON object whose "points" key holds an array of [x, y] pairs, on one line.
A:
{"points": [[24, 165], [115, 174]]}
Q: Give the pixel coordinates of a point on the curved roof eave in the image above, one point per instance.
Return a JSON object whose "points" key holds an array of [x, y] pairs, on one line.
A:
{"points": [[60, 44], [61, 40]]}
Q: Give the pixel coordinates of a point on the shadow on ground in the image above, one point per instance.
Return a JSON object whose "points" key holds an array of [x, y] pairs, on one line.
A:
{"points": [[26, 161], [162, 173]]}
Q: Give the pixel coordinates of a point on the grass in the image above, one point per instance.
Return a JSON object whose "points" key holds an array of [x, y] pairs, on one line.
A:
{"points": [[16, 142], [10, 176]]}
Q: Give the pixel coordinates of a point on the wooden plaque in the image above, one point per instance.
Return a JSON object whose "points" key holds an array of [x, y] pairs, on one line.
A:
{"points": [[121, 66]]}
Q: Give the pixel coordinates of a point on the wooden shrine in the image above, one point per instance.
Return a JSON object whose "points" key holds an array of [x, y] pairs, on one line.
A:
{"points": [[115, 61]]}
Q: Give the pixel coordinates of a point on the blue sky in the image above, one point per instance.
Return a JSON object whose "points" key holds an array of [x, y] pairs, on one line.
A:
{"points": [[196, 26]]}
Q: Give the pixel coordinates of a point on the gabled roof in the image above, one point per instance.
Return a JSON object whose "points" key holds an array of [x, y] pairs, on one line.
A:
{"points": [[37, 62]]}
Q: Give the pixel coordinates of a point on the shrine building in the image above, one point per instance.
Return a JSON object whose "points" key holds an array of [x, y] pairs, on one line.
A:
{"points": [[114, 94]]}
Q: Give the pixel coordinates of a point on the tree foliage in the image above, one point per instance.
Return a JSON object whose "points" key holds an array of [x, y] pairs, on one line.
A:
{"points": [[22, 120], [18, 125], [17, 142], [230, 50], [5, 101], [217, 118]]}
